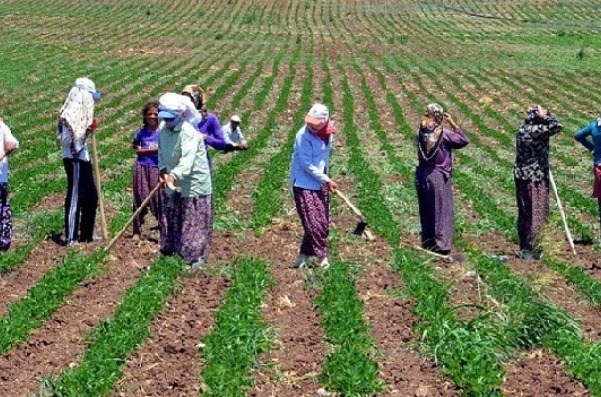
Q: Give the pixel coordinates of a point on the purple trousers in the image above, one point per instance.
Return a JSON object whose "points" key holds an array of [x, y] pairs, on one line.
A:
{"points": [[6, 224], [436, 210], [313, 207]]}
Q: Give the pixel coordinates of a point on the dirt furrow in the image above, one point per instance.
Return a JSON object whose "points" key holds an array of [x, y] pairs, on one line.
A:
{"points": [[63, 338]]}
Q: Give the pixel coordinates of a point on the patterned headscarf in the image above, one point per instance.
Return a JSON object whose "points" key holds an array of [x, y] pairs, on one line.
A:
{"points": [[435, 111], [77, 113], [430, 127]]}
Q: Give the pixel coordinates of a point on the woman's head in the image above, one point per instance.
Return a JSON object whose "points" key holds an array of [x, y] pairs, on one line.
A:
{"points": [[150, 114], [317, 117], [88, 85], [435, 112], [171, 109], [534, 113], [196, 94]]}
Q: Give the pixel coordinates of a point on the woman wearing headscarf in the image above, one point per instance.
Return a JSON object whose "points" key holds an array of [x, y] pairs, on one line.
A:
{"points": [[186, 215], [146, 168], [433, 179], [208, 124], [311, 184], [590, 137], [76, 123], [8, 144], [531, 173]]}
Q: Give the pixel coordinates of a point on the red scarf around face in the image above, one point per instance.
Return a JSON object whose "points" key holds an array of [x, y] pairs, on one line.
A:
{"points": [[325, 132]]}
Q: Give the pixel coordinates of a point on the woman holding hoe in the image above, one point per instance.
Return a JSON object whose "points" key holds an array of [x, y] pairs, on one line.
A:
{"points": [[311, 185]]}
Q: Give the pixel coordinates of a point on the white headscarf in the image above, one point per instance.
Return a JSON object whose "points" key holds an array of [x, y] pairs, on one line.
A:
{"points": [[180, 105], [77, 113]]}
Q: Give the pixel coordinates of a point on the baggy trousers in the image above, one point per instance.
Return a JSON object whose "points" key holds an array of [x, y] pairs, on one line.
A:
{"points": [[81, 201]]}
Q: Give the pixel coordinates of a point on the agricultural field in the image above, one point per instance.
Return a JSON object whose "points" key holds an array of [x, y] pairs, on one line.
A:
{"points": [[385, 319]]}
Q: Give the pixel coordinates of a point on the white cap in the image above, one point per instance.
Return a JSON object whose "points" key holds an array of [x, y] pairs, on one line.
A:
{"points": [[317, 114], [236, 119]]}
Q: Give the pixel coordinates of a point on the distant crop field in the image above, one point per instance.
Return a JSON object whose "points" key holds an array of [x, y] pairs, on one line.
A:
{"points": [[385, 319]]}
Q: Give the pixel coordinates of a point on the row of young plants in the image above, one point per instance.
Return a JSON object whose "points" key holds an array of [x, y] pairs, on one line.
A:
{"points": [[116, 338], [240, 333], [225, 179], [349, 367], [266, 196], [468, 352]]}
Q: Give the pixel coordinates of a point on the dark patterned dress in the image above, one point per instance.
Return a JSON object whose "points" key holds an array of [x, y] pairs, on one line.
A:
{"points": [[531, 175]]}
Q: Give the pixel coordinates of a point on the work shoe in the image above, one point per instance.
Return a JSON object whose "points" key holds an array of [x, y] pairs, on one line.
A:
{"points": [[198, 264], [525, 255], [324, 263], [538, 255], [300, 261]]}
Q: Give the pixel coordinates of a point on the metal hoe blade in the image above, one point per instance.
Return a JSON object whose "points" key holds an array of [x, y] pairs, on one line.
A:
{"points": [[360, 228]]}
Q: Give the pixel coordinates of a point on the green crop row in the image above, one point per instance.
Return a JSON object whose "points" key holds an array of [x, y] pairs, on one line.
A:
{"points": [[266, 196], [117, 337], [348, 368], [224, 179], [240, 334], [468, 352]]}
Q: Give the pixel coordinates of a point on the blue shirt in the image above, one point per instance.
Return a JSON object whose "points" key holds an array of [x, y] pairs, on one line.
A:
{"points": [[594, 131], [310, 160]]}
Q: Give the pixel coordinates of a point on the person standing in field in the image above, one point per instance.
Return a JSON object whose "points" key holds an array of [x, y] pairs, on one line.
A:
{"points": [[146, 168], [8, 144], [233, 135], [186, 215], [590, 137], [433, 178], [311, 184], [75, 123], [208, 124], [531, 173]]}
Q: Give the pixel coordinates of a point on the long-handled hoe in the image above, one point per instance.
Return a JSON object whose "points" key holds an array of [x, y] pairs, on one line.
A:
{"points": [[361, 228], [136, 213], [563, 215]]}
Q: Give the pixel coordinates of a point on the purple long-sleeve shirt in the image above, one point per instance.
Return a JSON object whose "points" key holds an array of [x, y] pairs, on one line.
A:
{"points": [[211, 127], [443, 159]]}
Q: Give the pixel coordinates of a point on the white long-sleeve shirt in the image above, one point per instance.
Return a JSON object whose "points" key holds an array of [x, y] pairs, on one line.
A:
{"points": [[232, 137], [5, 137]]}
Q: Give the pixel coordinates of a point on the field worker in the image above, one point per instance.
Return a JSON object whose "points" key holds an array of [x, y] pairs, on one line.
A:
{"points": [[208, 124], [196, 95], [531, 173], [433, 179], [8, 145], [311, 185], [186, 215], [76, 123], [233, 134], [590, 138], [146, 168], [210, 130]]}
